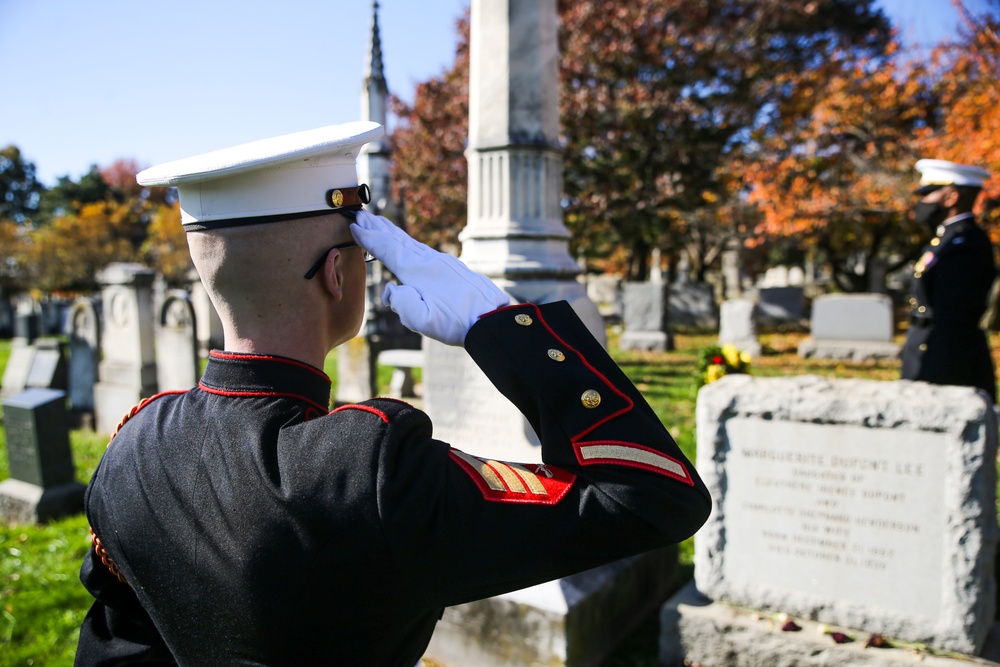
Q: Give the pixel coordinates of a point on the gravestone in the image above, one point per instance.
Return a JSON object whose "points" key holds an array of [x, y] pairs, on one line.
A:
{"points": [[49, 365], [42, 483], [84, 331], [606, 293], [516, 236], [851, 326], [26, 327], [6, 318], [176, 343], [646, 314], [15, 375], [127, 373], [861, 504], [693, 305], [732, 269], [738, 325], [780, 305]]}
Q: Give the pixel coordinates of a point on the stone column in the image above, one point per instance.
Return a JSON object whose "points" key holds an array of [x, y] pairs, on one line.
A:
{"points": [[515, 233], [128, 372], [84, 330]]}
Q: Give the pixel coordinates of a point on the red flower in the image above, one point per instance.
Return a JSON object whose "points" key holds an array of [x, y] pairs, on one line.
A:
{"points": [[840, 637], [791, 626], [717, 359], [877, 641]]}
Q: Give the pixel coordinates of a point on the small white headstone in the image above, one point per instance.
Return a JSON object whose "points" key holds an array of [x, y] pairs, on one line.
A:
{"points": [[738, 325], [855, 326]]}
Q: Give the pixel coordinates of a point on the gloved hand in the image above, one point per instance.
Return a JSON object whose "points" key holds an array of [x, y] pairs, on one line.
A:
{"points": [[439, 297]]}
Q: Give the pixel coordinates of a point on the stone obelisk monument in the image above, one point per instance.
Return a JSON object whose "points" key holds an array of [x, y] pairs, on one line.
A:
{"points": [[515, 235]]}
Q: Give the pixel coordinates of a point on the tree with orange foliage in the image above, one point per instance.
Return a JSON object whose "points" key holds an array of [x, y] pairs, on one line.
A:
{"points": [[838, 178]]}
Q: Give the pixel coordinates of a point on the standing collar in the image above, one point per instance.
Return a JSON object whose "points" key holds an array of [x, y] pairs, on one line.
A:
{"points": [[958, 218], [238, 374]]}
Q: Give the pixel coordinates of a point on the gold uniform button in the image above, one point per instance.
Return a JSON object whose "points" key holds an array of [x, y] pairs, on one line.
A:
{"points": [[935, 241], [337, 198], [590, 399], [923, 347], [523, 320], [921, 309], [556, 355], [913, 301]]}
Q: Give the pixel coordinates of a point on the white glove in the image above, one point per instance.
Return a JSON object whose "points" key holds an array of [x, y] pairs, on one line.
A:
{"points": [[440, 296]]}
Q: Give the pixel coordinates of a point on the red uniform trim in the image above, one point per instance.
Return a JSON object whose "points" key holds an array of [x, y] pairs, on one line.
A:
{"points": [[364, 408], [283, 360], [620, 453], [547, 486], [260, 394]]}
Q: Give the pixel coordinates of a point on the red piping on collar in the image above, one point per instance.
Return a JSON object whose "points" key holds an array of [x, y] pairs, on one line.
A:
{"points": [[364, 408], [283, 360], [260, 394]]}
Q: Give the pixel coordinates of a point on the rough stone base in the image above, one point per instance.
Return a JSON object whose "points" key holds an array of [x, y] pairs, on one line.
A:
{"points": [[573, 622], [696, 630], [854, 350], [21, 502], [655, 341]]}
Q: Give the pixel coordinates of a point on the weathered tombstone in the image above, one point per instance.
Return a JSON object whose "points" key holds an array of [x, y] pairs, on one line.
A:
{"points": [[738, 325], [693, 305], [606, 293], [516, 236], [15, 375], [84, 330], [861, 504], [176, 343], [647, 312], [42, 483], [49, 366], [796, 276], [207, 321], [128, 370], [6, 318], [851, 326], [776, 276], [26, 327], [780, 305]]}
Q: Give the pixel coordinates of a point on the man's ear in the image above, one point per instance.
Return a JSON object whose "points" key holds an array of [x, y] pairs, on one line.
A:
{"points": [[951, 197], [332, 276]]}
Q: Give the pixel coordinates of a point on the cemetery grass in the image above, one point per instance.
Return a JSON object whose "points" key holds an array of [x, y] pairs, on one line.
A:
{"points": [[42, 602]]}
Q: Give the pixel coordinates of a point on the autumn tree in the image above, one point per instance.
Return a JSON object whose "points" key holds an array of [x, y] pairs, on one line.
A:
{"points": [[838, 179], [429, 172]]}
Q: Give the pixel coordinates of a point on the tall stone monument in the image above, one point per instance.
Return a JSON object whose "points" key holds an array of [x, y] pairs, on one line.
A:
{"points": [[515, 235], [128, 371], [177, 343]]}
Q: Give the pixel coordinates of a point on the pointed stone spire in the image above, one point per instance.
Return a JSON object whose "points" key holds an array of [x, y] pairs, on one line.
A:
{"points": [[375, 92], [373, 69]]}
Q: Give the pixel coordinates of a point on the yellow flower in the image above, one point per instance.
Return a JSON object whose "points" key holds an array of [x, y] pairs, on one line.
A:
{"points": [[746, 358], [714, 372], [732, 355]]}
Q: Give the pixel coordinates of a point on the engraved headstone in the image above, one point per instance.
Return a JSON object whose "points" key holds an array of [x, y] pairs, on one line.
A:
{"points": [[738, 325], [851, 326], [862, 504], [49, 366], [646, 309], [84, 330], [693, 305], [207, 321], [42, 483], [778, 305], [176, 343], [15, 375], [127, 371]]}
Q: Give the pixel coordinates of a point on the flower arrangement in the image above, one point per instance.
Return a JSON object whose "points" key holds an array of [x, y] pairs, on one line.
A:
{"points": [[715, 361]]}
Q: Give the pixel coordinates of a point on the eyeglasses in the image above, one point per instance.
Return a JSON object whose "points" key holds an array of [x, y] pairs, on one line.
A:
{"points": [[340, 246]]}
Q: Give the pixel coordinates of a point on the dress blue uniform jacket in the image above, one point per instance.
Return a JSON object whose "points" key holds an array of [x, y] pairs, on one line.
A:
{"points": [[240, 523], [950, 288]]}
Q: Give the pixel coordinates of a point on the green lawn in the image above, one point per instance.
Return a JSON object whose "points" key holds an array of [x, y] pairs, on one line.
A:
{"points": [[42, 603]]}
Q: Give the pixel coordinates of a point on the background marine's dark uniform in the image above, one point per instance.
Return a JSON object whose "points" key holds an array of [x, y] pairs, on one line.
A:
{"points": [[252, 528], [951, 285]]}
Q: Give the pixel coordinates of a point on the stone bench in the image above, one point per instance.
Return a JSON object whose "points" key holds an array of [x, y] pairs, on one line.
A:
{"points": [[402, 362]]}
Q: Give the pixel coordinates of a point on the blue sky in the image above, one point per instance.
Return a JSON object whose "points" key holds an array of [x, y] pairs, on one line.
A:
{"points": [[90, 82]]}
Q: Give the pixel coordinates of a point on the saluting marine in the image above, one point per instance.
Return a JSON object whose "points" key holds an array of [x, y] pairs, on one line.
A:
{"points": [[242, 523], [951, 282]]}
